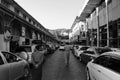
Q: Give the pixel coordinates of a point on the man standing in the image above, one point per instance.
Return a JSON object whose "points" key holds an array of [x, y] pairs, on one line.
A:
{"points": [[37, 60], [38, 55]]}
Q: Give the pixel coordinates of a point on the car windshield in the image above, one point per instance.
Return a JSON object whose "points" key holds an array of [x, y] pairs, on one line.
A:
{"points": [[102, 50], [83, 48]]}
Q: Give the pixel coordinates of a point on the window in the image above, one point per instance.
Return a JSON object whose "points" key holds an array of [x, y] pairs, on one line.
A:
{"points": [[1, 61], [84, 48], [102, 60], [114, 64], [10, 57], [111, 63], [89, 52], [102, 50], [24, 16]]}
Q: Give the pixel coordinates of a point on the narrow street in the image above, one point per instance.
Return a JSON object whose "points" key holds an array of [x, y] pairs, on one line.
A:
{"points": [[55, 68]]}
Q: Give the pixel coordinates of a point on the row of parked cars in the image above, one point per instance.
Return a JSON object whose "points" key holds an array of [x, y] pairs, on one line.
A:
{"points": [[16, 66], [102, 63]]}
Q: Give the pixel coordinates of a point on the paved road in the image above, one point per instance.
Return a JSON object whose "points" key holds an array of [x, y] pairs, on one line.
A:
{"points": [[55, 68]]}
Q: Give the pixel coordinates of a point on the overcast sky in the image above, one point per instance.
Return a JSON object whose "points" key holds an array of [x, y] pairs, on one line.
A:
{"points": [[53, 14]]}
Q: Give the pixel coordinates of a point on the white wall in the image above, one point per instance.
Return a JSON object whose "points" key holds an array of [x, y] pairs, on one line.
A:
{"points": [[4, 45]]}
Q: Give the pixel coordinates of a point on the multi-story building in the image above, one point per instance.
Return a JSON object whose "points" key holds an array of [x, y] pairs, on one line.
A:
{"points": [[78, 32], [103, 21], [17, 27]]}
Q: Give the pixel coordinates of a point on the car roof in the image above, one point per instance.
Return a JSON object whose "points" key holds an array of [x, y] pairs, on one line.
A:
{"points": [[104, 48], [112, 53]]}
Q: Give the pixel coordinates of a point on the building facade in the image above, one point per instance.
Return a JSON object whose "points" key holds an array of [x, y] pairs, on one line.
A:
{"points": [[78, 32], [17, 27], [102, 18]]}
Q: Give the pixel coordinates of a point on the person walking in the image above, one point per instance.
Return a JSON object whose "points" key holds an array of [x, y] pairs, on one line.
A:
{"points": [[67, 57]]}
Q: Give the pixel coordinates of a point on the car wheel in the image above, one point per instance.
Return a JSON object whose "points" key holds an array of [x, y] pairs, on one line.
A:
{"points": [[88, 75]]}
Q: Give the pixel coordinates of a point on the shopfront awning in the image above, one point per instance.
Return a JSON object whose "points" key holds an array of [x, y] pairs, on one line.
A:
{"points": [[88, 8]]}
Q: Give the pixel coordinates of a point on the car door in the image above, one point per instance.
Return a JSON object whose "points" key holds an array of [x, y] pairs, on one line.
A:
{"points": [[16, 67], [4, 69], [98, 68], [112, 68]]}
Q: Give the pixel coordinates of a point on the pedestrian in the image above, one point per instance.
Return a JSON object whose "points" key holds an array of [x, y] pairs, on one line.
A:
{"points": [[37, 60], [67, 57], [38, 55]]}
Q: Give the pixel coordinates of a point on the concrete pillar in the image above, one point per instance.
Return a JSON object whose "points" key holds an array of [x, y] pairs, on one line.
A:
{"points": [[98, 35], [2, 43], [107, 20]]}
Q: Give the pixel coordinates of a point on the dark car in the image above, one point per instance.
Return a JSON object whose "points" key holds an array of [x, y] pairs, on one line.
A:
{"points": [[91, 53]]}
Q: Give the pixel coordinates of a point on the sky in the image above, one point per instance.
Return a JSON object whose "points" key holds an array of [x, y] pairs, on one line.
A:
{"points": [[53, 14]]}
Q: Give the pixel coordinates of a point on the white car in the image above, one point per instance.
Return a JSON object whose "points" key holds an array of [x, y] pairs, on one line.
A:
{"points": [[76, 49], [62, 48], [12, 67], [104, 67], [29, 49], [80, 50]]}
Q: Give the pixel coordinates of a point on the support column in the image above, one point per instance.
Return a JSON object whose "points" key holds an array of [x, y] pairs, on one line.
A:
{"points": [[107, 20], [7, 32], [98, 35]]}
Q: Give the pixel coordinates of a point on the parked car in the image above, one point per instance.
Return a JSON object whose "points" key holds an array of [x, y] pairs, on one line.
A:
{"points": [[50, 48], [80, 50], [104, 67], [62, 47], [76, 49], [12, 67], [115, 49], [91, 53], [25, 50]]}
